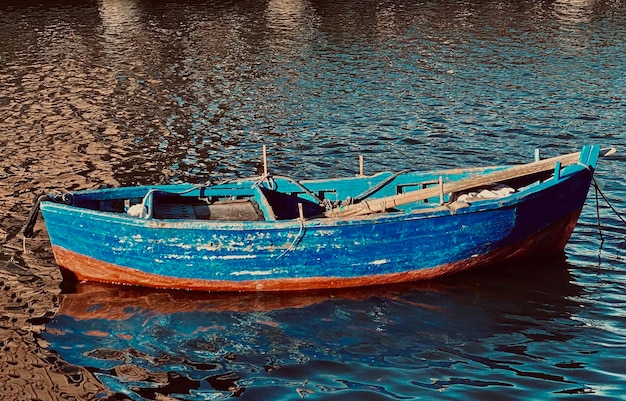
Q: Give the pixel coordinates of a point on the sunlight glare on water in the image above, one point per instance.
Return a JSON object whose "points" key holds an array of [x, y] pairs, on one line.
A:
{"points": [[124, 92]]}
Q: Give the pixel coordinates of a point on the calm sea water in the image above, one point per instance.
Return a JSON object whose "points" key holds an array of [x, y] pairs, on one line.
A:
{"points": [[121, 92]]}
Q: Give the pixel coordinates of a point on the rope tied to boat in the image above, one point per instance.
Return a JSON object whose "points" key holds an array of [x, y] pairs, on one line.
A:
{"points": [[273, 186], [296, 239], [28, 230], [266, 179], [599, 193]]}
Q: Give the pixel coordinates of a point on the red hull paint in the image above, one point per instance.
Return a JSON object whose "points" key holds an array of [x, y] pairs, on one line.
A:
{"points": [[549, 241]]}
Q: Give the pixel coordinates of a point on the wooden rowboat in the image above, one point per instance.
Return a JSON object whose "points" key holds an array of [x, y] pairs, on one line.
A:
{"points": [[274, 233]]}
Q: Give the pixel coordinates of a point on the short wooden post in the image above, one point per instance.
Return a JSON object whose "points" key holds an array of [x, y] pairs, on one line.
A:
{"points": [[440, 190], [265, 160], [361, 166]]}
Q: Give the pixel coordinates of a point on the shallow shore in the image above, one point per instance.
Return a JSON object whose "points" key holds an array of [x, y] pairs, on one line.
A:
{"points": [[29, 289], [29, 370]]}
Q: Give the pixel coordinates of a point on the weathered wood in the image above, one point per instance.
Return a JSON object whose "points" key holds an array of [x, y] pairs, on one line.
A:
{"points": [[290, 251], [361, 166], [379, 205]]}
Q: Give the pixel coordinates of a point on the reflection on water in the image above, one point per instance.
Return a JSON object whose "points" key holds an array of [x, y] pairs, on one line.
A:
{"points": [[574, 11], [121, 92], [155, 91], [382, 341]]}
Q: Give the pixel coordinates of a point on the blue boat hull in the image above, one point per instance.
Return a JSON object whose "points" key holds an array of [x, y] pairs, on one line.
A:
{"points": [[297, 254]]}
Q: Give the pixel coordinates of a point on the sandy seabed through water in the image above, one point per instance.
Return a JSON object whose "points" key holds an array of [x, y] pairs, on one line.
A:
{"points": [[29, 289], [29, 278]]}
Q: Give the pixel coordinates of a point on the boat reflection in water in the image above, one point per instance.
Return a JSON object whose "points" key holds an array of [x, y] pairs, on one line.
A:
{"points": [[475, 331]]}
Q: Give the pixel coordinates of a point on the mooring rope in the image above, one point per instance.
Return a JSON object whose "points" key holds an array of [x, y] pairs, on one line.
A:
{"points": [[599, 191], [598, 215], [599, 194], [295, 241]]}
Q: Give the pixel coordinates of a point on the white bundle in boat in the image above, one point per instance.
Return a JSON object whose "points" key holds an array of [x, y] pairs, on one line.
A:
{"points": [[138, 210], [499, 191]]}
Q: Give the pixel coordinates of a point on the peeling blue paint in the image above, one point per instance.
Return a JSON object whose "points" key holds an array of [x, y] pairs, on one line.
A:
{"points": [[422, 236]]}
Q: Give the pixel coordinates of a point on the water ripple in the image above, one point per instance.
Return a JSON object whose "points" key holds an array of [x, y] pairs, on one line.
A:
{"points": [[136, 92]]}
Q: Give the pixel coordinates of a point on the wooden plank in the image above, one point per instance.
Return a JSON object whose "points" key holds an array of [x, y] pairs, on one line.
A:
{"points": [[382, 204]]}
